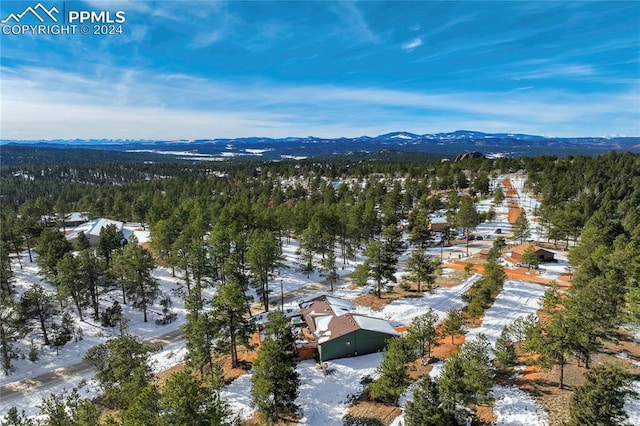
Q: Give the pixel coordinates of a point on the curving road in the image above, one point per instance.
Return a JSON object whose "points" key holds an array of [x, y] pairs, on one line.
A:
{"points": [[11, 393]]}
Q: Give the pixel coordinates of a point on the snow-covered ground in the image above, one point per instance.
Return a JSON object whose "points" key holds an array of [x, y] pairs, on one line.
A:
{"points": [[88, 332], [402, 311], [517, 299], [514, 407], [323, 399], [530, 205], [632, 405]]}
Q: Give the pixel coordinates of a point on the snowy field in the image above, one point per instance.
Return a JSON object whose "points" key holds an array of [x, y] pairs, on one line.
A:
{"points": [[517, 299], [403, 311]]}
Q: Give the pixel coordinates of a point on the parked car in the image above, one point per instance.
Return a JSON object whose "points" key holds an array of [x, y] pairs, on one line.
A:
{"points": [[526, 265], [498, 231]]}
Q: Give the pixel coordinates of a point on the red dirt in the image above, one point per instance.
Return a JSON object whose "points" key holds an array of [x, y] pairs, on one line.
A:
{"points": [[514, 213], [516, 274]]}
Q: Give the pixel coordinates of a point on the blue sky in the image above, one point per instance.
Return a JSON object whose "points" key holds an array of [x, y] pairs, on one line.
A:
{"points": [[188, 70]]}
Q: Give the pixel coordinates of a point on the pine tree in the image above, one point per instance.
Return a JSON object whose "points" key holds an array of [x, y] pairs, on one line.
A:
{"points": [[163, 233], [451, 385], [426, 408], [69, 409], [81, 242], [122, 368], [601, 399], [308, 243], [554, 341], [274, 383], [521, 229], [198, 335], [468, 375], [63, 333], [530, 258], [423, 332], [109, 240], [143, 408], [467, 217], [419, 228], [498, 196], [496, 248], [453, 323], [478, 367], [133, 266], [69, 284], [6, 274], [31, 227], [394, 373], [504, 353], [551, 299], [9, 326], [278, 329], [380, 266], [229, 320], [330, 270], [92, 273], [186, 401], [37, 306], [15, 418], [52, 246], [263, 256], [421, 269]]}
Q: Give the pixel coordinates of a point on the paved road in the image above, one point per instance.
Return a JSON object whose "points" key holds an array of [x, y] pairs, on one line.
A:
{"points": [[11, 393], [298, 294]]}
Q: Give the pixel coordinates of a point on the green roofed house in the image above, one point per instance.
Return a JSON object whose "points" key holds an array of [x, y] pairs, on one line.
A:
{"points": [[341, 332]]}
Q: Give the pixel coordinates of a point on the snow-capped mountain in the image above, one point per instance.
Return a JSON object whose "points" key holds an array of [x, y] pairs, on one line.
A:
{"points": [[448, 144]]}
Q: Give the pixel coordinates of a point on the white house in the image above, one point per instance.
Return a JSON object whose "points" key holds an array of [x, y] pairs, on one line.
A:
{"points": [[92, 230]]}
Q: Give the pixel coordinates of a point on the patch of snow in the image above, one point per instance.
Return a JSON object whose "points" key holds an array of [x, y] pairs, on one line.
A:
{"points": [[632, 405], [514, 407], [257, 151], [624, 355]]}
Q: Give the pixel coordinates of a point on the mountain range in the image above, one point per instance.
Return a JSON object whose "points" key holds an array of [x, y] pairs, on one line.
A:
{"points": [[442, 144]]}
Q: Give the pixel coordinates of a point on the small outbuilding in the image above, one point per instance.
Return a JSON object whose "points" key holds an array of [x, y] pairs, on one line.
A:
{"points": [[542, 254], [341, 332], [438, 223]]}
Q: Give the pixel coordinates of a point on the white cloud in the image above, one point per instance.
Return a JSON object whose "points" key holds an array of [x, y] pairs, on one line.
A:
{"points": [[416, 42], [41, 103], [354, 21], [560, 71]]}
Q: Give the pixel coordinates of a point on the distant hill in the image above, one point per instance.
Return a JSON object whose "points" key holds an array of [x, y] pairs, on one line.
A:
{"points": [[441, 144]]}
